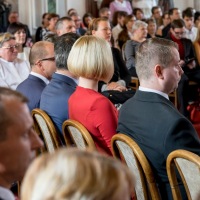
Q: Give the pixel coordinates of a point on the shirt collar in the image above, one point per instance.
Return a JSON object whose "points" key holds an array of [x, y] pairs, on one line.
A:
{"points": [[154, 91], [41, 77]]}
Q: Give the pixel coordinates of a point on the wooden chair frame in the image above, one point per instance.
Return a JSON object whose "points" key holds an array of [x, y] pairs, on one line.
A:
{"points": [[70, 140], [53, 135], [172, 164], [145, 171]]}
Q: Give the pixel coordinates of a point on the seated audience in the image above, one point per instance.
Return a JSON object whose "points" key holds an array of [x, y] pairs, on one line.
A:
{"points": [[191, 30], [90, 60], [150, 118], [145, 5], [42, 62], [151, 28], [187, 55], [157, 15], [197, 46], [12, 69], [139, 35], [165, 22], [174, 13], [77, 174], [105, 12], [127, 31], [77, 20], [50, 29], [54, 98], [87, 18], [65, 25], [197, 19], [139, 14], [18, 140], [120, 24], [45, 23], [120, 5], [121, 78], [19, 32], [13, 17]]}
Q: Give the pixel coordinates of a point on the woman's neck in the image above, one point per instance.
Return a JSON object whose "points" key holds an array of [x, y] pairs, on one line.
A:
{"points": [[20, 48], [88, 83]]}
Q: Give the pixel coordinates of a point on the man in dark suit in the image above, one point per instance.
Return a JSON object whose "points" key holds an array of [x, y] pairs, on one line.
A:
{"points": [[54, 98], [150, 118], [42, 61]]}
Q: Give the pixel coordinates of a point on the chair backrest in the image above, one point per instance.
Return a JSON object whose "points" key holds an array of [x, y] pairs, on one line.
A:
{"points": [[75, 134], [125, 148], [45, 128], [188, 165]]}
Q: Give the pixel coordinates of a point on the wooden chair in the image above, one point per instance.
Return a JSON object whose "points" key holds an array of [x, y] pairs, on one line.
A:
{"points": [[44, 126], [125, 148], [188, 165], [174, 98], [134, 83], [75, 134]]}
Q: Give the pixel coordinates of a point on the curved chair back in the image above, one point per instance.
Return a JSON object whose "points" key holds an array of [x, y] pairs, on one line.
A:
{"points": [[45, 128], [125, 148], [75, 134], [188, 165]]}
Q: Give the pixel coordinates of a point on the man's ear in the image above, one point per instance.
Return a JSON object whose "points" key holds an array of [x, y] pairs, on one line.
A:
{"points": [[159, 71]]}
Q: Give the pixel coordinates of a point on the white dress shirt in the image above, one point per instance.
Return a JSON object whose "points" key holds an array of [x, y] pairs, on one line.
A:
{"points": [[6, 194], [191, 34], [13, 73], [154, 91]]}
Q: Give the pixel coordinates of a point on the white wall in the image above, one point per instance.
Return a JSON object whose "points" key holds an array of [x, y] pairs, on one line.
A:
{"points": [[182, 4]]}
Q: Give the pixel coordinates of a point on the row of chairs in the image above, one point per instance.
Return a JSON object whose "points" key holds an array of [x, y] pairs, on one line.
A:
{"points": [[126, 149]]}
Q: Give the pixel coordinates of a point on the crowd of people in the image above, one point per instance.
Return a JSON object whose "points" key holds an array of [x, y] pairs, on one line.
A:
{"points": [[68, 69]]}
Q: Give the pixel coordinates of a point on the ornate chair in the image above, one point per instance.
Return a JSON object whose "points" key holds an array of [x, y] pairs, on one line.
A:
{"points": [[75, 134], [188, 165], [46, 130], [125, 148]]}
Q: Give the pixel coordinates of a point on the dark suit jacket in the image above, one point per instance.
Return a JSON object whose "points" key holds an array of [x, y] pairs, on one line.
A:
{"points": [[54, 99], [158, 128], [32, 88], [120, 69]]}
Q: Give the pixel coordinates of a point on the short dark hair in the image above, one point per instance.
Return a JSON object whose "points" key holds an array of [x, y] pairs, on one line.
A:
{"points": [[14, 27], [60, 22], [53, 15], [196, 15], [137, 9], [102, 10], [171, 11], [154, 8], [177, 23], [62, 48], [5, 121], [188, 13]]}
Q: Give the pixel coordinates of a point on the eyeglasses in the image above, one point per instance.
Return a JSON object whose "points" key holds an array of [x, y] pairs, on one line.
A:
{"points": [[50, 59], [11, 48]]}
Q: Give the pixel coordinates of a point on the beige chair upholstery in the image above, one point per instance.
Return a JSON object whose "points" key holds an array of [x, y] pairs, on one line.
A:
{"points": [[46, 130], [76, 134], [125, 148], [188, 165]]}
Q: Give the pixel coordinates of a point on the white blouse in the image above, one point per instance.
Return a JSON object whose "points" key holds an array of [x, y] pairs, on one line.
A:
{"points": [[13, 73]]}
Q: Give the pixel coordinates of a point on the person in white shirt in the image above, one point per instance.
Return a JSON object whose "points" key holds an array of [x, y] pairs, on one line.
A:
{"points": [[12, 69], [191, 30]]}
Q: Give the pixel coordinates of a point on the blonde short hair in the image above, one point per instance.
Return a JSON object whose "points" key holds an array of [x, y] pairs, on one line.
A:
{"points": [[74, 174], [91, 58], [4, 37]]}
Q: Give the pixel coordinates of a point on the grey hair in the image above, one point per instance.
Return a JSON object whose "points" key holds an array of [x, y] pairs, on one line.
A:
{"points": [[137, 24], [4, 37]]}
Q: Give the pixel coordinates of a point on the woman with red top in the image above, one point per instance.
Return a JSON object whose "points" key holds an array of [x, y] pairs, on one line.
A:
{"points": [[90, 60]]}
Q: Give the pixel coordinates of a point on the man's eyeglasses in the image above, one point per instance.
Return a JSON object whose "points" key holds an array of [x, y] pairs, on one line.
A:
{"points": [[50, 59], [11, 48]]}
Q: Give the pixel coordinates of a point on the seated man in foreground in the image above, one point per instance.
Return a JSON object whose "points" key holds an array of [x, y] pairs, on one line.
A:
{"points": [[150, 118], [18, 140]]}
